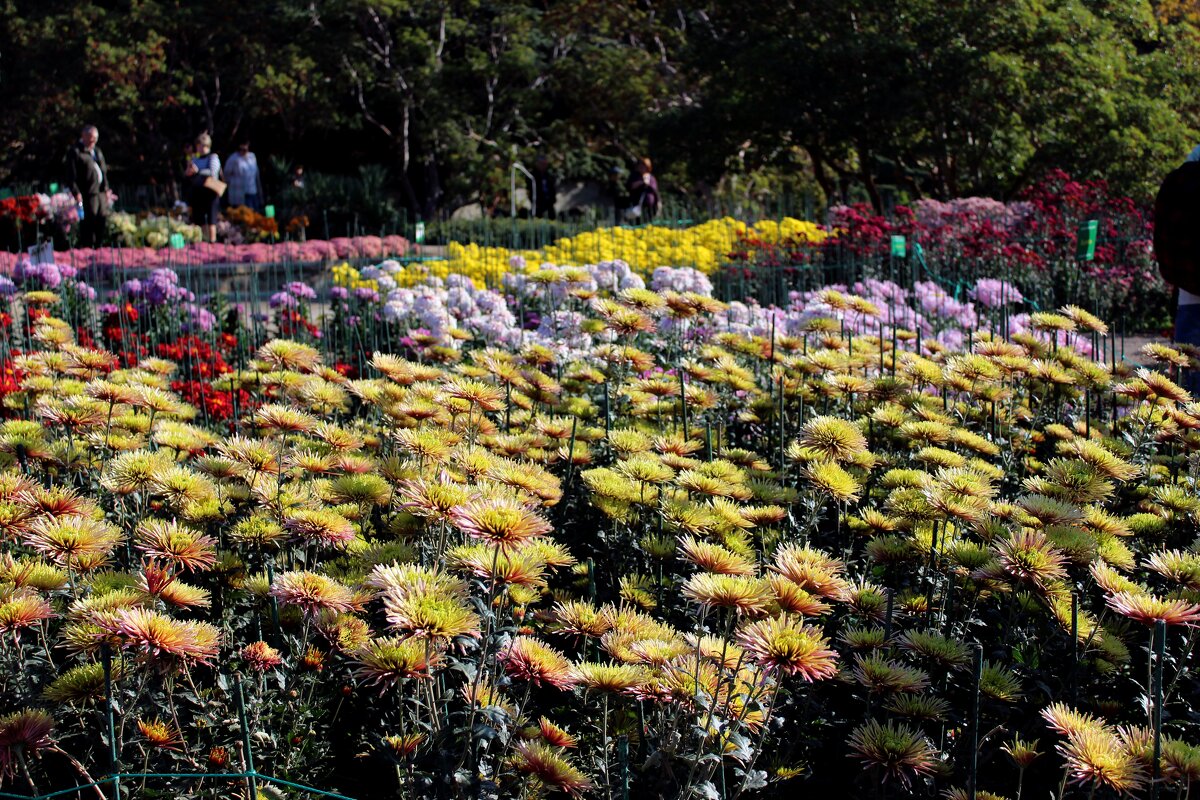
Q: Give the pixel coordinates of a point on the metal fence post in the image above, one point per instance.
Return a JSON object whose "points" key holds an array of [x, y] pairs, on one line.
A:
{"points": [[248, 753]]}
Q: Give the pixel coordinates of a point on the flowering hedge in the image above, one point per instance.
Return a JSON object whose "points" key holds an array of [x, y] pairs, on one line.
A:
{"points": [[312, 251], [593, 536]]}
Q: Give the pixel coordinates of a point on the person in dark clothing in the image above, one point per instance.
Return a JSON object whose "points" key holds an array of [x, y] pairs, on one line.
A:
{"points": [[643, 192], [205, 203], [615, 190], [87, 180], [545, 187]]}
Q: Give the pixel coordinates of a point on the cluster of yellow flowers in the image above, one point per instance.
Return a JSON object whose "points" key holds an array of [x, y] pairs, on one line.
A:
{"points": [[704, 247]]}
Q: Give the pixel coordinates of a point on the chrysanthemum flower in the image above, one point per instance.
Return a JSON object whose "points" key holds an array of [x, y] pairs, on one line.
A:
{"points": [[791, 599], [21, 612], [831, 480], [82, 683], [503, 522], [318, 526], [616, 678], [936, 648], [1028, 558], [1096, 757], [790, 648], [574, 618], [714, 558], [1148, 609], [744, 594], [882, 676], [898, 752], [185, 548], [832, 439], [527, 659], [430, 615], [283, 354], [68, 540], [486, 396], [158, 636], [385, 662], [312, 592], [159, 734], [555, 735], [403, 747], [812, 571], [550, 768], [260, 656]]}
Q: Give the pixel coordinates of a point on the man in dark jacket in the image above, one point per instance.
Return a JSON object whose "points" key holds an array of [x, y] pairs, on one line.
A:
{"points": [[545, 187], [87, 179]]}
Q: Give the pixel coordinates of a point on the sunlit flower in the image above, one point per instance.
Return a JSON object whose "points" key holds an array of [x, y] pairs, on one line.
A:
{"points": [[791, 648], [385, 662], [499, 521], [550, 768], [312, 592], [527, 659]]}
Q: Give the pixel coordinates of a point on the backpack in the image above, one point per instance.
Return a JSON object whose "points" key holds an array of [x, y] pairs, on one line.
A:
{"points": [[1177, 227]]}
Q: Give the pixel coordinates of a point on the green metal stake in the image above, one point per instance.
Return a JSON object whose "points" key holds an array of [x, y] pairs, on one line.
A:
{"points": [[114, 765], [248, 755], [623, 759], [1160, 652], [972, 789]]}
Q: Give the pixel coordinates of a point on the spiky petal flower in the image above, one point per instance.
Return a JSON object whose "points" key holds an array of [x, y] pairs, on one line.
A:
{"points": [[157, 636], [385, 662], [789, 647], [260, 656], [171, 542], [898, 752], [528, 659], [550, 768], [1028, 558], [159, 734], [503, 522], [1148, 609], [745, 594], [312, 592], [22, 612]]}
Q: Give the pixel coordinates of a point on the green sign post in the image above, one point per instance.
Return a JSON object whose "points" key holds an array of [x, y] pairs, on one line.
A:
{"points": [[1085, 249], [899, 247]]}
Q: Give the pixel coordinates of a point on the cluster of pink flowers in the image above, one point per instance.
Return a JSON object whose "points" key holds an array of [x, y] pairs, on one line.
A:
{"points": [[203, 253]]}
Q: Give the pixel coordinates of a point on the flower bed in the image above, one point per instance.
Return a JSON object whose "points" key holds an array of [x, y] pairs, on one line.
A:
{"points": [[312, 251], [590, 534]]}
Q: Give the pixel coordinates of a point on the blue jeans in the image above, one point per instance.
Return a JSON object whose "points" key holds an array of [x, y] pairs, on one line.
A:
{"points": [[1187, 331]]}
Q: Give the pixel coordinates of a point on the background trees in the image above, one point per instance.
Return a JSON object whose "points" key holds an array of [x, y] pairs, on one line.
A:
{"points": [[920, 97]]}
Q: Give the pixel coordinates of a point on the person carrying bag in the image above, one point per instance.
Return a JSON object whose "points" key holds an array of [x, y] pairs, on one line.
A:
{"points": [[204, 173]]}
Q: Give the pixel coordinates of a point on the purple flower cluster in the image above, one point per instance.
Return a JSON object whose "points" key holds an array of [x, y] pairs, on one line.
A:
{"points": [[161, 290], [681, 279], [46, 276], [437, 307]]}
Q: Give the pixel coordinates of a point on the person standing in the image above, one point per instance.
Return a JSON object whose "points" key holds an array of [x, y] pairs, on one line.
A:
{"points": [[643, 192], [87, 180], [206, 203], [1177, 250], [545, 187], [245, 183]]}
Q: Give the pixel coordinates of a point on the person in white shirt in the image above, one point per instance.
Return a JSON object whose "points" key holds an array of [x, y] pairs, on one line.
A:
{"points": [[245, 184]]}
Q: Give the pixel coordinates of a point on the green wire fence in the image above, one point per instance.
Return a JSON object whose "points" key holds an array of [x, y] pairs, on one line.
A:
{"points": [[250, 774]]}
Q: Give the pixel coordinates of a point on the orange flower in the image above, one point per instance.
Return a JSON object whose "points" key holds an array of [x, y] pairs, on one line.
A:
{"points": [[528, 659]]}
